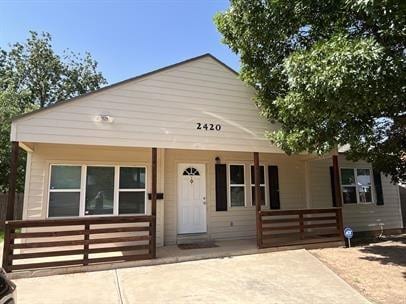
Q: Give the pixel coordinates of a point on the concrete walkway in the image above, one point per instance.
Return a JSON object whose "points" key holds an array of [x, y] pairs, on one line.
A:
{"points": [[279, 277]]}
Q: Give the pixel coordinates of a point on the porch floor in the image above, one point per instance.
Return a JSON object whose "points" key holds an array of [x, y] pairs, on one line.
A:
{"points": [[173, 254]]}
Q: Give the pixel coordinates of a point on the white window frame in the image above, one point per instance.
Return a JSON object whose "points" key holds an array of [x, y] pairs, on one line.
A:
{"points": [[117, 177], [356, 186], [83, 189], [84, 168], [229, 185], [80, 190]]}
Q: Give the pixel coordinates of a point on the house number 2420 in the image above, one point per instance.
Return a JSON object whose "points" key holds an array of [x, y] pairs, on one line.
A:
{"points": [[208, 126]]}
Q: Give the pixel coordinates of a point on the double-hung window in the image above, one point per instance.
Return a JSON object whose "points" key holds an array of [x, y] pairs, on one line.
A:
{"points": [[356, 185], [132, 192], [262, 186], [64, 191], [237, 185], [80, 190]]}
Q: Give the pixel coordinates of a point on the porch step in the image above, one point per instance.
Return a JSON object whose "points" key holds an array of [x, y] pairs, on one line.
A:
{"points": [[192, 238]]}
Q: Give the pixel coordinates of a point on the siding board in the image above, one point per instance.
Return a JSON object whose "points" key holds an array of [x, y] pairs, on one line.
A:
{"points": [[161, 108], [35, 204], [361, 217], [235, 223]]}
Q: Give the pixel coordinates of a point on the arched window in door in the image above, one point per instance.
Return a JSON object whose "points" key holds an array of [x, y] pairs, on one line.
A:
{"points": [[191, 172]]}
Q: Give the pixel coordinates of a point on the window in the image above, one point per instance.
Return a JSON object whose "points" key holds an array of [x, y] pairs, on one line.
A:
{"points": [[64, 191], [191, 172], [96, 190], [132, 191], [364, 185], [262, 186], [237, 185], [356, 185], [99, 190]]}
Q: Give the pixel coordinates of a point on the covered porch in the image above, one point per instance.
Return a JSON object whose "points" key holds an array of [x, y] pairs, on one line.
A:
{"points": [[86, 241]]}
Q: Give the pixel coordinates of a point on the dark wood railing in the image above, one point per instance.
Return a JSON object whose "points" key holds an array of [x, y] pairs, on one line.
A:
{"points": [[300, 227], [80, 238]]}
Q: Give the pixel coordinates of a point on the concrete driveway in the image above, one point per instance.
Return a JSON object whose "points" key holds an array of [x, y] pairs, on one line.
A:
{"points": [[279, 277]]}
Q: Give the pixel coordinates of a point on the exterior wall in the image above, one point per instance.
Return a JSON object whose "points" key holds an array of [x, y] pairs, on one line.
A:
{"points": [[38, 164], [361, 217], [303, 184], [236, 222], [159, 110]]}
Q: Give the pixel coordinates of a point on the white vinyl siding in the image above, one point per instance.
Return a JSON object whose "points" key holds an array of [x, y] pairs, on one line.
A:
{"points": [[236, 222], [161, 110], [360, 217], [36, 191]]}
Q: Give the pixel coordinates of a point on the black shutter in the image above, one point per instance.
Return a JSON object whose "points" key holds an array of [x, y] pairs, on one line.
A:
{"points": [[221, 187], [333, 193], [273, 180], [378, 187]]}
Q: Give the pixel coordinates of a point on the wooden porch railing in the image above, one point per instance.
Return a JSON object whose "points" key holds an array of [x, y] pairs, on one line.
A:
{"points": [[299, 227], [74, 241]]}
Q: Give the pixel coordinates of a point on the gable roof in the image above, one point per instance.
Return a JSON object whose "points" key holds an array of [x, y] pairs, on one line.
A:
{"points": [[197, 104], [113, 85]]}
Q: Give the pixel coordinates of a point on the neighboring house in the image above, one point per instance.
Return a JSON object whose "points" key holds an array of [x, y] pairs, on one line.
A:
{"points": [[92, 156]]}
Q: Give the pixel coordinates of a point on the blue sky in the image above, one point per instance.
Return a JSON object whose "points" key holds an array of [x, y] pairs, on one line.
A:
{"points": [[127, 38]]}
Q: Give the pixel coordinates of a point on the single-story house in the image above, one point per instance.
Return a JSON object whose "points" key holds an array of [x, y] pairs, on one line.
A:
{"points": [[184, 149]]}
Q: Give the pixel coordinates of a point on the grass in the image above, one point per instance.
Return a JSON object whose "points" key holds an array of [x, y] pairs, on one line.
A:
{"points": [[1, 235]]}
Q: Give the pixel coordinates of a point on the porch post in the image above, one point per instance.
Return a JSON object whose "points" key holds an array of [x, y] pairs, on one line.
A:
{"points": [[153, 201], [257, 178], [12, 181], [336, 172], [337, 193]]}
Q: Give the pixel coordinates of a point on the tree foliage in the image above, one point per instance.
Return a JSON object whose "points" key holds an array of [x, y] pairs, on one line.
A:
{"points": [[33, 75], [332, 73]]}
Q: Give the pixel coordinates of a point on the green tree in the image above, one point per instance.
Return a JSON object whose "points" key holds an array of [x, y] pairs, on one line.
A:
{"points": [[33, 75], [331, 72], [9, 108]]}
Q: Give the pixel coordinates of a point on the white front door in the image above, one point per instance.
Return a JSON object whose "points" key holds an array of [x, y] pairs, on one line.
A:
{"points": [[191, 198]]}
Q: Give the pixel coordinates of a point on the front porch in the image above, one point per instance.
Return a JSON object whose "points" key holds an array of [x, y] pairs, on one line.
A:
{"points": [[74, 245], [268, 216]]}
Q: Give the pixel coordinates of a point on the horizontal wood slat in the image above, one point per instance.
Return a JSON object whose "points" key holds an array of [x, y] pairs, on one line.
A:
{"points": [[132, 231], [81, 242], [77, 252], [277, 221], [277, 228], [121, 258], [77, 232], [26, 235], [320, 218], [80, 221], [304, 226], [79, 262], [297, 211]]}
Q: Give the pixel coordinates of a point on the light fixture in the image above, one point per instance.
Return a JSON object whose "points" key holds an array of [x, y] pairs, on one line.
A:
{"points": [[104, 118], [217, 159]]}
